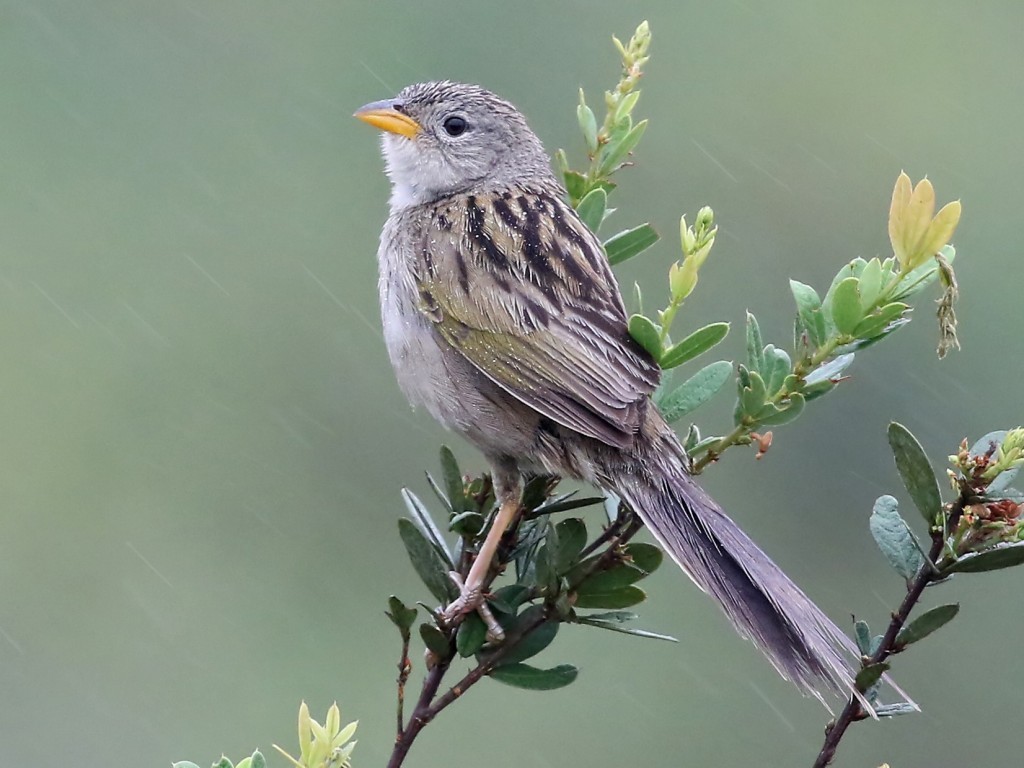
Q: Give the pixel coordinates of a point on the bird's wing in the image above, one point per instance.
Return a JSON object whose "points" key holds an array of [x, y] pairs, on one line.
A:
{"points": [[519, 286]]}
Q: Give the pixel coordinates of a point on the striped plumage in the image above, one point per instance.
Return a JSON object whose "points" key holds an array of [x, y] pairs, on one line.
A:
{"points": [[503, 319]]}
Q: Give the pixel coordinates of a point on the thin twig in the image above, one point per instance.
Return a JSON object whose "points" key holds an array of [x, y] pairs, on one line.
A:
{"points": [[404, 668], [853, 710], [419, 716]]}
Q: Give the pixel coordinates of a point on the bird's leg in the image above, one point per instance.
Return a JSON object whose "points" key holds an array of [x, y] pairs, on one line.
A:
{"points": [[507, 490]]}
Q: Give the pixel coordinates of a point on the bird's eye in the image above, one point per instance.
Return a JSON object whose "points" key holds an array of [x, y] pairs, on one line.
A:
{"points": [[454, 125]]}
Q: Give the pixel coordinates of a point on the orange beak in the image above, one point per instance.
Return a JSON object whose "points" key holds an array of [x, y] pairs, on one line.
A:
{"points": [[388, 116]]}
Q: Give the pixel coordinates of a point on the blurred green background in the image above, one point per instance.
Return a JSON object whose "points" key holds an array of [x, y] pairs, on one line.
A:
{"points": [[203, 443]]}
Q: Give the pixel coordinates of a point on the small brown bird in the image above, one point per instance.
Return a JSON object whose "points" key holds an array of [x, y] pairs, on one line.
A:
{"points": [[502, 318]]}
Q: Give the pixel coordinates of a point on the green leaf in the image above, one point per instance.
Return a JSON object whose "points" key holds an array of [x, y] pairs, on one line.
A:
{"points": [[575, 185], [509, 598], [755, 348], [623, 597], [870, 675], [224, 762], [646, 333], [810, 318], [440, 494], [993, 559], [434, 639], [525, 676], [829, 371], [846, 311], [704, 444], [695, 344], [695, 391], [646, 557], [626, 105], [815, 391], [851, 269], [613, 626], [184, 764], [454, 487], [611, 580], [588, 125], [617, 151], [426, 525], [784, 415], [863, 634], [926, 623], [401, 615], [572, 537], [753, 396], [430, 566], [519, 649], [870, 284], [258, 760], [916, 472], [467, 524], [875, 324], [629, 243], [894, 537], [591, 208], [471, 635], [777, 367], [692, 438]]}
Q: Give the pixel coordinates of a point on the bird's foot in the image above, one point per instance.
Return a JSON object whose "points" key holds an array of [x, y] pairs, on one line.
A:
{"points": [[471, 598]]}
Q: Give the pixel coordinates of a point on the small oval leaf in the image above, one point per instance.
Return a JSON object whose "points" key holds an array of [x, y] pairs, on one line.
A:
{"points": [[916, 472], [695, 391], [646, 557], [697, 343], [434, 639], [627, 244], [534, 679], [991, 560], [810, 318], [894, 537], [430, 566], [401, 615], [783, 416], [591, 208], [646, 333], [572, 537], [611, 580], [755, 346], [471, 635], [846, 310], [870, 675], [453, 485], [588, 125], [926, 623], [619, 598], [529, 646], [873, 325], [616, 152], [862, 632]]}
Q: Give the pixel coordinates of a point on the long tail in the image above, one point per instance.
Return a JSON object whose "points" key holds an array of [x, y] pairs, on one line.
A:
{"points": [[760, 600]]}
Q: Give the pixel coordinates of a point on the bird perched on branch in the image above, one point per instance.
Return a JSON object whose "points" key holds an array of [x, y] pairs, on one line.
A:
{"points": [[502, 318]]}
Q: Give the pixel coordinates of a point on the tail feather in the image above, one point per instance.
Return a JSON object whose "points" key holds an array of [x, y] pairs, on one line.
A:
{"points": [[759, 599]]}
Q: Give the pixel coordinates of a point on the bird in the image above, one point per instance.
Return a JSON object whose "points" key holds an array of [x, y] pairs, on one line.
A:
{"points": [[502, 318]]}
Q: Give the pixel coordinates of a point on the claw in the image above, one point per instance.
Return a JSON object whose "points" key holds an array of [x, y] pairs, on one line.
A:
{"points": [[471, 598]]}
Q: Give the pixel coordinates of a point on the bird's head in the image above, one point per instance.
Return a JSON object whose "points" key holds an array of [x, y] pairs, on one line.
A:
{"points": [[443, 138]]}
